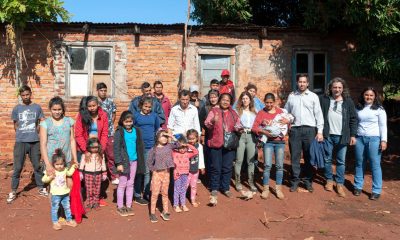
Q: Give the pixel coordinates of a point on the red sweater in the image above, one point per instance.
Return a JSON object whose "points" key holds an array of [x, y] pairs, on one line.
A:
{"points": [[227, 87], [264, 115], [82, 133], [182, 160], [216, 133]]}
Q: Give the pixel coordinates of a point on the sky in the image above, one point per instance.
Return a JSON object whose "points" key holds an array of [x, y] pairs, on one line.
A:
{"points": [[123, 11]]}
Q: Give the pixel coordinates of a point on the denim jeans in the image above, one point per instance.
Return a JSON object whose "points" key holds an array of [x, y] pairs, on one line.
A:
{"points": [[368, 148], [20, 150], [221, 168], [333, 143], [279, 150], [300, 139], [55, 204], [143, 179], [247, 143]]}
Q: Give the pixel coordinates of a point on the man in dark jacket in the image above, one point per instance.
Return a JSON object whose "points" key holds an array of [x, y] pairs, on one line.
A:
{"points": [[156, 107], [340, 128]]}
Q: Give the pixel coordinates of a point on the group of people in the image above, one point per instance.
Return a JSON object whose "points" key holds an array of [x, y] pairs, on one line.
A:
{"points": [[156, 143]]}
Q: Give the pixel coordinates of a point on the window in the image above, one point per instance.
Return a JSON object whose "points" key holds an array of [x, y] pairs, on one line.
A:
{"points": [[88, 66], [314, 64]]}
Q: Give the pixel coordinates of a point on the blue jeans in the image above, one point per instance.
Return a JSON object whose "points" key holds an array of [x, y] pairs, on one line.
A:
{"points": [[333, 143], [368, 148], [269, 149], [55, 204], [143, 179], [221, 168]]}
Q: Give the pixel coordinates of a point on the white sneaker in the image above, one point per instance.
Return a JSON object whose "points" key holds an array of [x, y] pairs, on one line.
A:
{"points": [[11, 197], [43, 192], [115, 181]]}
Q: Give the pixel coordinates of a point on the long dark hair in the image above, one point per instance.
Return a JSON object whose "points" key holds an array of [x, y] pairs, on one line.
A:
{"points": [[208, 103], [124, 115], [239, 106], [361, 102], [226, 94], [57, 101], [84, 112]]}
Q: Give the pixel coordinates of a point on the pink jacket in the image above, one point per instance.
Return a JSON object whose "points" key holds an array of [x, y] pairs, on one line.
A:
{"points": [[216, 133], [182, 161], [82, 133]]}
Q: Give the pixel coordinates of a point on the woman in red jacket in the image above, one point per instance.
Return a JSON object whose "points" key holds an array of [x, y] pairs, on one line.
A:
{"points": [[92, 121], [221, 158]]}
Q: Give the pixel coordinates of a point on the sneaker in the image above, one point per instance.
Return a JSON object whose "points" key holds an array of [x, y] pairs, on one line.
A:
{"points": [[11, 197], [130, 212], [253, 188], [43, 192], [228, 194], [57, 226], [153, 218], [185, 209], [213, 200], [238, 187], [122, 211], [71, 223], [102, 203], [177, 209], [165, 216], [115, 181], [141, 201]]}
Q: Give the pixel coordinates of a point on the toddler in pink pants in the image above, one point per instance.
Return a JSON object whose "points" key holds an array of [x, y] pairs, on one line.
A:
{"points": [[196, 165]]}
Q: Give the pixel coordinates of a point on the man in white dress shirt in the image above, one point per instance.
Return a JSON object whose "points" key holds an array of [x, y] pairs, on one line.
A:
{"points": [[184, 116], [308, 124]]}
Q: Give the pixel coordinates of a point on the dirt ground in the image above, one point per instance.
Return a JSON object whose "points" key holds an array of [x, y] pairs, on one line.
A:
{"points": [[301, 215]]}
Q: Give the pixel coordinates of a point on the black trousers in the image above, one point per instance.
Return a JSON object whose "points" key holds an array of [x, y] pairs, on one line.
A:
{"points": [[300, 139], [20, 150]]}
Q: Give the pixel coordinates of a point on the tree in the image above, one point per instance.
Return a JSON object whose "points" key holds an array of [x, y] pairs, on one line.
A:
{"points": [[260, 12], [376, 24], [16, 14], [221, 11]]}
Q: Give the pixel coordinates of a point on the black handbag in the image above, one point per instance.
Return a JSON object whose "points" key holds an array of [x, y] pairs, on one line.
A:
{"points": [[231, 139]]}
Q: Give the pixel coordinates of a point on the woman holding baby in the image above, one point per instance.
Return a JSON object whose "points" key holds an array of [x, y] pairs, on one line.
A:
{"points": [[271, 124]]}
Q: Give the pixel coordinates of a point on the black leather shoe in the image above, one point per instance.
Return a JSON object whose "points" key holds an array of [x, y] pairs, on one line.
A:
{"points": [[294, 187], [374, 196], [310, 188], [357, 192]]}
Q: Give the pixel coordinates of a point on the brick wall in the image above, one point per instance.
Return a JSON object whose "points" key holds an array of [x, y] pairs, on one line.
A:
{"points": [[156, 54]]}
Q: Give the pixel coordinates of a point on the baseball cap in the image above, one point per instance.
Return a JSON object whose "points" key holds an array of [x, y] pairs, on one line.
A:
{"points": [[194, 88]]}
